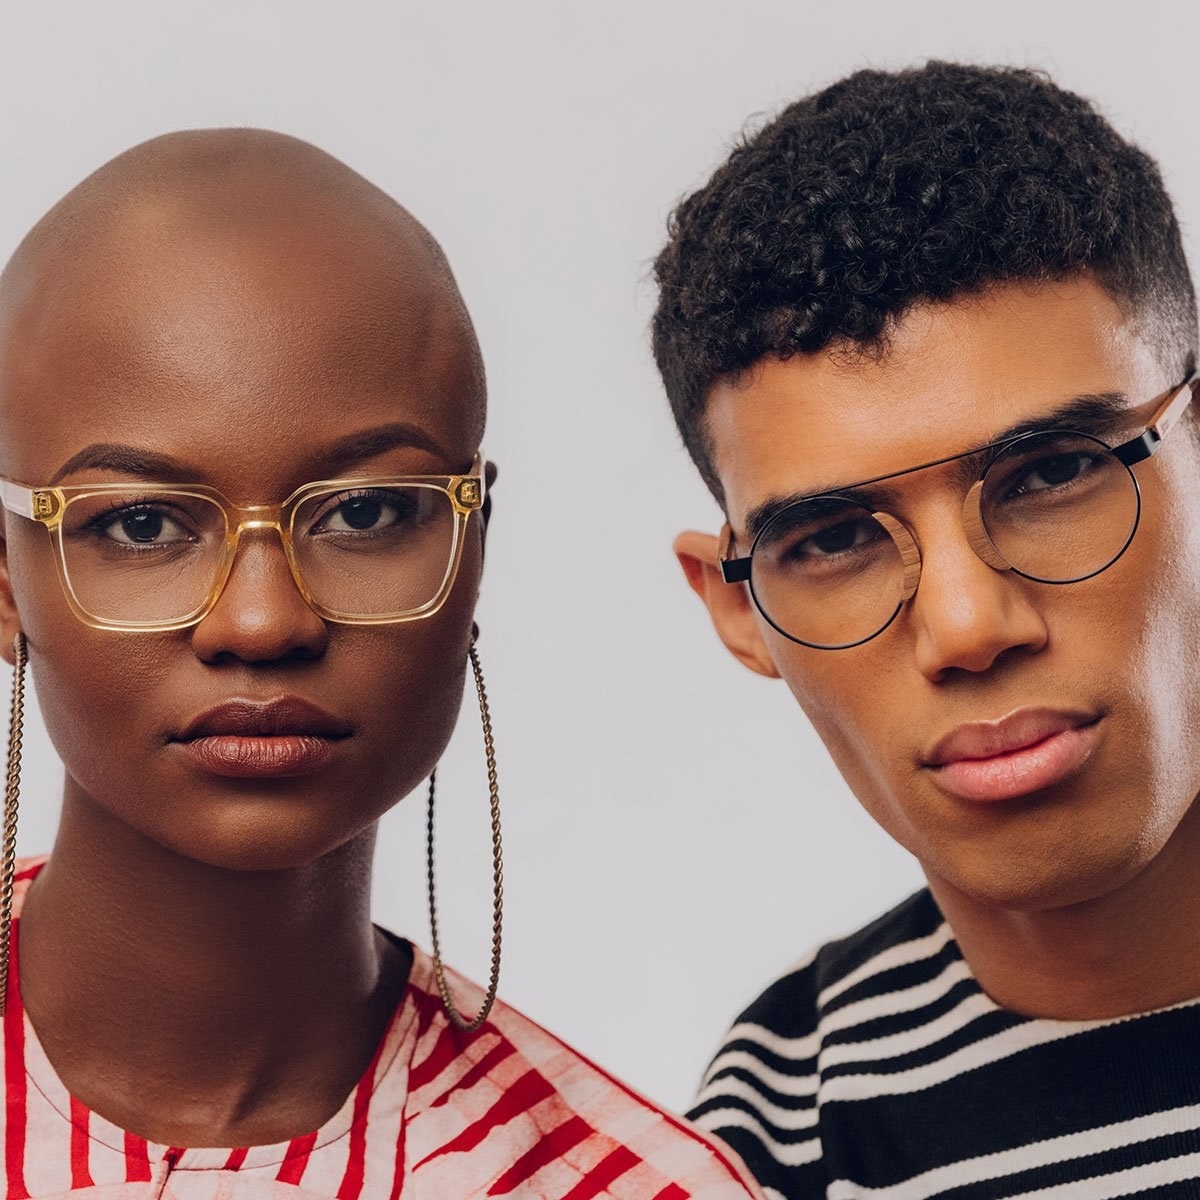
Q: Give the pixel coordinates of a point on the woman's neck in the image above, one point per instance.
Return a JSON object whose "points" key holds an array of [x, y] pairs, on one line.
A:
{"points": [[196, 1005]]}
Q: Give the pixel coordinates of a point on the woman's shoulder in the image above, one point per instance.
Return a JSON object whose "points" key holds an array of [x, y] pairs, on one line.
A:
{"points": [[539, 1116]]}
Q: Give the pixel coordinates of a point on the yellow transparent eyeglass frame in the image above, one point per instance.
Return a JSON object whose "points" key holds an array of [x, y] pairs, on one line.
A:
{"points": [[48, 505]]}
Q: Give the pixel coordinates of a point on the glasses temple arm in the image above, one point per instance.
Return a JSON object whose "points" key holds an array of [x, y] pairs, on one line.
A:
{"points": [[733, 570], [1172, 411], [17, 499], [1164, 420]]}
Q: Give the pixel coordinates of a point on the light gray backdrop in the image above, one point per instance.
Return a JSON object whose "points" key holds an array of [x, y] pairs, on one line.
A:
{"points": [[675, 834]]}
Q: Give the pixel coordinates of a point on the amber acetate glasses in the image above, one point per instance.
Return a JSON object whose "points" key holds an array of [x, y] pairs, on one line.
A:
{"points": [[1054, 506], [145, 556]]}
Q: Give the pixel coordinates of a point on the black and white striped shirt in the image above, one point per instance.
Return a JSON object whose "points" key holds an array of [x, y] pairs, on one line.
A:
{"points": [[879, 1068]]}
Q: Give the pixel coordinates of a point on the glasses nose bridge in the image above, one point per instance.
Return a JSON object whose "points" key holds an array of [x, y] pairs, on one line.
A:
{"points": [[977, 534], [256, 517], [971, 512], [973, 528]]}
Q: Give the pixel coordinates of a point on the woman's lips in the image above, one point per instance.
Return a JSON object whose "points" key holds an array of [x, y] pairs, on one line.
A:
{"points": [[260, 757], [252, 739], [1022, 753]]}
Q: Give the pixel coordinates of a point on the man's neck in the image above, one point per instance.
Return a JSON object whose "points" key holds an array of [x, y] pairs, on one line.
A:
{"points": [[1133, 949], [201, 1006]]}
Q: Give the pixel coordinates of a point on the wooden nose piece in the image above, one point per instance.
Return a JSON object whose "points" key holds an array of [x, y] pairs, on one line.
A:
{"points": [[977, 535], [910, 556]]}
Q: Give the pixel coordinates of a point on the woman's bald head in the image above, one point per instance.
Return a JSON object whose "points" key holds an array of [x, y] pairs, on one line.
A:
{"points": [[185, 242], [238, 311]]}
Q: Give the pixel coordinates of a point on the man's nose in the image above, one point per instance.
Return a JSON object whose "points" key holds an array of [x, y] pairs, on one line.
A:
{"points": [[966, 614], [260, 615]]}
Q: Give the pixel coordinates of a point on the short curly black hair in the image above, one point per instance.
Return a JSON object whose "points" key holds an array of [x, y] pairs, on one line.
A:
{"points": [[891, 188]]}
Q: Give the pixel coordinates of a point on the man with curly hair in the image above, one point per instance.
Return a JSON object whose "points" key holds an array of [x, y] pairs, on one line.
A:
{"points": [[927, 336]]}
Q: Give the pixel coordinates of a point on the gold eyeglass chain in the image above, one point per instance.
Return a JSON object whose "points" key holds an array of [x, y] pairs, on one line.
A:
{"points": [[12, 792], [461, 1022], [8, 851]]}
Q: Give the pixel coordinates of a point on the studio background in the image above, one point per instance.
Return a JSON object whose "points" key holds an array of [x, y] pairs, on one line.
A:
{"points": [[675, 835]]}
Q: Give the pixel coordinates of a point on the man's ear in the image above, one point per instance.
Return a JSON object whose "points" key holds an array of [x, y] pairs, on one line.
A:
{"points": [[10, 621], [729, 604]]}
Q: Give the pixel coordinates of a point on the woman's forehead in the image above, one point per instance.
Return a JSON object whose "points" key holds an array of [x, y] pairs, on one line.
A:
{"points": [[234, 295], [236, 349]]}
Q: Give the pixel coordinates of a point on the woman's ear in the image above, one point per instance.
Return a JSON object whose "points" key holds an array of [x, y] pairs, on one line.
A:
{"points": [[490, 474], [729, 604]]}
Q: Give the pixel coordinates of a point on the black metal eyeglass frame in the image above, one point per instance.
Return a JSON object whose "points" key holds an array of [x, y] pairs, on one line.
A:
{"points": [[1137, 449]]}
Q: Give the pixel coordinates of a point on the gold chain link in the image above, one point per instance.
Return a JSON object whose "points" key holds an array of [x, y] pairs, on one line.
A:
{"points": [[12, 792], [456, 1017]]}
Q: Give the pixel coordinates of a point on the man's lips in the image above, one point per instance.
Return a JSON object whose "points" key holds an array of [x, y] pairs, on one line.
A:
{"points": [[1023, 752], [255, 739]]}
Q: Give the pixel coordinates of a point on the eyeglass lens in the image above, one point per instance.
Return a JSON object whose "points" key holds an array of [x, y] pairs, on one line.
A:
{"points": [[150, 556], [1057, 507]]}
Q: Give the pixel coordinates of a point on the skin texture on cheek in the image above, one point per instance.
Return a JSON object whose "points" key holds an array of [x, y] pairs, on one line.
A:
{"points": [[111, 703], [1164, 655], [105, 721]]}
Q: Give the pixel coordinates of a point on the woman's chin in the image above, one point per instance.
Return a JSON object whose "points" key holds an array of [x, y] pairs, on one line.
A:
{"points": [[262, 837]]}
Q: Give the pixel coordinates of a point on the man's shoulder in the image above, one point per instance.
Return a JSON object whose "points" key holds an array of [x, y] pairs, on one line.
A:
{"points": [[760, 1092], [846, 968]]}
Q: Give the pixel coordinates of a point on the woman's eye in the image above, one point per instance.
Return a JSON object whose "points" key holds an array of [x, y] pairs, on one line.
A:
{"points": [[144, 526], [364, 514]]}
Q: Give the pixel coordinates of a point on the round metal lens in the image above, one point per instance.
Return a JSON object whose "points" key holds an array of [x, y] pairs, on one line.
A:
{"points": [[1059, 507], [375, 551], [827, 574]]}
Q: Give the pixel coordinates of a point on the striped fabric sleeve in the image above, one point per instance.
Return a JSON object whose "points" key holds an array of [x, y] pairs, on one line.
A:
{"points": [[759, 1094]]}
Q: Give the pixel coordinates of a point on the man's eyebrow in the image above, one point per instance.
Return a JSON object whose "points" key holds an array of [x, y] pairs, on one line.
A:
{"points": [[165, 468], [1096, 413]]}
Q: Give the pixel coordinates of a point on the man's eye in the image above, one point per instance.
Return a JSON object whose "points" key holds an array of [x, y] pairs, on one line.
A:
{"points": [[1053, 471], [839, 538], [836, 539]]}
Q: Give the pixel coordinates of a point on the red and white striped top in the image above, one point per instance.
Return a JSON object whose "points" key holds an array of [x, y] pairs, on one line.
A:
{"points": [[509, 1111]]}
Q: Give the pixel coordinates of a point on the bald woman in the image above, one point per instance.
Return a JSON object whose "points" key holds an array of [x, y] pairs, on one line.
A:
{"points": [[241, 403]]}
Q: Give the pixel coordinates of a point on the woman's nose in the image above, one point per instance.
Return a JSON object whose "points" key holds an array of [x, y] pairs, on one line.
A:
{"points": [[261, 614]]}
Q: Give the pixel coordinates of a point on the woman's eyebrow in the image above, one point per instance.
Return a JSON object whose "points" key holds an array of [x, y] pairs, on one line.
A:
{"points": [[369, 443], [128, 460], [165, 468], [1095, 413]]}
